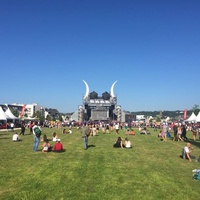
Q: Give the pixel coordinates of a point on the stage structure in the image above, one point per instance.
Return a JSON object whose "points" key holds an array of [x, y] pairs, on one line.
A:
{"points": [[99, 108]]}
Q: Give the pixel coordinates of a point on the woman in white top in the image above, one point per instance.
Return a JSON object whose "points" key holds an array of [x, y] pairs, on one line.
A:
{"points": [[127, 143], [16, 138], [179, 132], [55, 137]]}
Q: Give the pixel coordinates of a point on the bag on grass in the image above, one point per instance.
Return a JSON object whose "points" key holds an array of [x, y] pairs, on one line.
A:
{"points": [[196, 176], [37, 131]]}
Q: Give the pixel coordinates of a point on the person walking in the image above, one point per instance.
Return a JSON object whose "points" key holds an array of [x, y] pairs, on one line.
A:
{"points": [[179, 133], [85, 131], [184, 132], [36, 132], [164, 132], [194, 131], [175, 129], [22, 129]]}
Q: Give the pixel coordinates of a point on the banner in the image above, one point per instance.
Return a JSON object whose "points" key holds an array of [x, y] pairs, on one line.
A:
{"points": [[23, 109], [185, 114]]}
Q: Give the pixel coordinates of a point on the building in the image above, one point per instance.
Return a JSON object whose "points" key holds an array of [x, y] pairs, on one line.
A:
{"points": [[98, 108]]}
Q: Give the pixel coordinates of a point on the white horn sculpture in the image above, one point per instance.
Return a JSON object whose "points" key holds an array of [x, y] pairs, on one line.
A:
{"points": [[87, 90], [112, 89]]}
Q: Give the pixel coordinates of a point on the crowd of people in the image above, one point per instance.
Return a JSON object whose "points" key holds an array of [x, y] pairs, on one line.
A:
{"points": [[179, 131]]}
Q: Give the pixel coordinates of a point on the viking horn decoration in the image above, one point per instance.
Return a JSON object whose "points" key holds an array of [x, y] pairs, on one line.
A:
{"points": [[87, 90], [112, 89]]}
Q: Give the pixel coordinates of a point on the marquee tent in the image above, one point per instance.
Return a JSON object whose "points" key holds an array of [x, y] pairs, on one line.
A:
{"points": [[198, 117], [3, 115], [9, 113], [191, 118]]}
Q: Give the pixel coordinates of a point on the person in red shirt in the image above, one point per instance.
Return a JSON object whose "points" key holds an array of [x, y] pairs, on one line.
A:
{"points": [[58, 147]]}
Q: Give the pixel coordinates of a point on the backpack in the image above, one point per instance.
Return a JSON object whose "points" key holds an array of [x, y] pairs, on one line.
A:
{"points": [[196, 176], [37, 131], [168, 134]]}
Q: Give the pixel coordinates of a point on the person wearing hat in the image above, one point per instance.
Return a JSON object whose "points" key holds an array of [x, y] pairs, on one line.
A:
{"points": [[58, 147]]}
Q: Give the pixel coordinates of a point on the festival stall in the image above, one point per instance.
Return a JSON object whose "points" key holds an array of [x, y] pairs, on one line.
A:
{"points": [[192, 118], [3, 119]]}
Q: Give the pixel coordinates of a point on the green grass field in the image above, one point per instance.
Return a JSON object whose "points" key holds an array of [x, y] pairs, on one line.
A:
{"points": [[152, 169]]}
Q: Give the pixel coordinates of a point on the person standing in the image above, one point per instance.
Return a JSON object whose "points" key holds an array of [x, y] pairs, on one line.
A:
{"points": [[194, 131], [85, 131], [184, 132], [31, 127], [179, 133], [117, 128], [22, 128], [36, 132], [164, 132], [12, 125], [175, 129]]}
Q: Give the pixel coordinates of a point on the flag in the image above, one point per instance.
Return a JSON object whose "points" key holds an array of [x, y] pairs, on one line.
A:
{"points": [[185, 114], [23, 109]]}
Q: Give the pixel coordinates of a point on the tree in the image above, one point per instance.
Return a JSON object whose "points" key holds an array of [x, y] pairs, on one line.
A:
{"points": [[14, 112], [196, 109], [38, 114], [48, 117], [158, 119], [60, 118]]}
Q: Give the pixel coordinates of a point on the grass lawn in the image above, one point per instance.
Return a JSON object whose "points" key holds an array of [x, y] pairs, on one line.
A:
{"points": [[152, 169]]}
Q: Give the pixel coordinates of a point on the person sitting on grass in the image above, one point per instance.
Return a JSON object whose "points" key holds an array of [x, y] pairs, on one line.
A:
{"points": [[127, 132], [58, 147], [160, 134], [186, 152], [132, 132], [16, 138], [144, 131], [118, 143], [127, 143], [67, 132], [55, 137], [46, 146], [70, 131], [64, 131], [44, 138]]}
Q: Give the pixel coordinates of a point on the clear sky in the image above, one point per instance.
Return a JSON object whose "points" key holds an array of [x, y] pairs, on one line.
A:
{"points": [[152, 47]]}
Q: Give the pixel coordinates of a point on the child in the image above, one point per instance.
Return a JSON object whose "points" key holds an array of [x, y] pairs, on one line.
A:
{"points": [[160, 134], [132, 132]]}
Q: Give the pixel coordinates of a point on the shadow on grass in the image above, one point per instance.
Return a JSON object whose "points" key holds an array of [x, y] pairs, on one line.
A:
{"points": [[4, 134], [194, 143], [91, 145], [4, 138], [57, 151]]}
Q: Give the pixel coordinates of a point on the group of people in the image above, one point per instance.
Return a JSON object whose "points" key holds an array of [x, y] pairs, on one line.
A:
{"points": [[179, 132], [86, 131], [119, 143], [46, 147]]}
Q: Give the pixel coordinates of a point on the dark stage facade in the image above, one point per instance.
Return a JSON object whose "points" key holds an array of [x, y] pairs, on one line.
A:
{"points": [[99, 108]]}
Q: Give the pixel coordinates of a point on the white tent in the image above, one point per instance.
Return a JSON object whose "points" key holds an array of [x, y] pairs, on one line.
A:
{"points": [[191, 118], [198, 117], [9, 113], [3, 115]]}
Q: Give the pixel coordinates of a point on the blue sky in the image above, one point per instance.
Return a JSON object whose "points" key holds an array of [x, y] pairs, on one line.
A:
{"points": [[152, 47]]}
